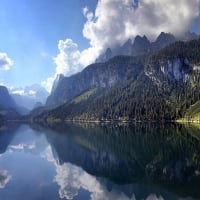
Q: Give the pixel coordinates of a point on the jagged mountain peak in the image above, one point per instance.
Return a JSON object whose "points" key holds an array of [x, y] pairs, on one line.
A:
{"points": [[158, 86], [141, 45], [164, 35], [141, 38], [58, 78], [163, 40]]}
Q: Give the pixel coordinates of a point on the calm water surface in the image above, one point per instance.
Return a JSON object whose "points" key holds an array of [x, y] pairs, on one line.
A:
{"points": [[100, 162]]}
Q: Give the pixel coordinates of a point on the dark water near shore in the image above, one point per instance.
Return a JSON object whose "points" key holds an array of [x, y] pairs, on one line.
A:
{"points": [[100, 162]]}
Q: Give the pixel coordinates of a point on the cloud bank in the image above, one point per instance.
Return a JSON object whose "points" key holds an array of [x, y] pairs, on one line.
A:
{"points": [[115, 21], [5, 62]]}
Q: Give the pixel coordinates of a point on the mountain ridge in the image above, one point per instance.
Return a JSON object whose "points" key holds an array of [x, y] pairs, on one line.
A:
{"points": [[142, 45], [158, 86]]}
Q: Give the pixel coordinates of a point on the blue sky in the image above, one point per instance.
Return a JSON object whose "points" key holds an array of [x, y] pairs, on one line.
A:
{"points": [[30, 31], [45, 37]]}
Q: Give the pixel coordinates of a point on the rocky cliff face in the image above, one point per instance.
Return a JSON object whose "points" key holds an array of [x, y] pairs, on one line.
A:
{"points": [[109, 74], [178, 69], [100, 75], [141, 46]]}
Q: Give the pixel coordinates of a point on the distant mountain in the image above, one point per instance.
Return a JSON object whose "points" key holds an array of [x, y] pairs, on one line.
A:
{"points": [[142, 46], [162, 85], [30, 96], [162, 41]]}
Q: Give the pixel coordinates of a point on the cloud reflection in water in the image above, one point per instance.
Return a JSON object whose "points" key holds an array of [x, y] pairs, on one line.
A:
{"points": [[71, 179], [5, 177]]}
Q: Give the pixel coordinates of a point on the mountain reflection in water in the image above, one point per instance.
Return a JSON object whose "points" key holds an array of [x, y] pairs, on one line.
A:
{"points": [[100, 161]]}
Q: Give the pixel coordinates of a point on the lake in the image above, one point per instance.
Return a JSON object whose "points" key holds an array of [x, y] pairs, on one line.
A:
{"points": [[144, 161]]}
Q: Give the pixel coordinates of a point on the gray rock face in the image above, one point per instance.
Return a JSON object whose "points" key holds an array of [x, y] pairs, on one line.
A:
{"points": [[176, 69], [59, 77], [99, 75], [106, 75], [141, 46]]}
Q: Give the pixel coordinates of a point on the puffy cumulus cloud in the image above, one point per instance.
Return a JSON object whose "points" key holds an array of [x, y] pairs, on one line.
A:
{"points": [[115, 21], [68, 60], [5, 62]]}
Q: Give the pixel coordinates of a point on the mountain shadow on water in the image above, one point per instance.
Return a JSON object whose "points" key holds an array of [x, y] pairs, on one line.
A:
{"points": [[162, 154], [7, 133]]}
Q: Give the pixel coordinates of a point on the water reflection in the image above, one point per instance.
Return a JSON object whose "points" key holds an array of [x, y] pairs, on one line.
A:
{"points": [[165, 155], [107, 161], [4, 178]]}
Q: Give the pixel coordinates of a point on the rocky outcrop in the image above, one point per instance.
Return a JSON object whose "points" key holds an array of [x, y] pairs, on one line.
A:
{"points": [[178, 69]]}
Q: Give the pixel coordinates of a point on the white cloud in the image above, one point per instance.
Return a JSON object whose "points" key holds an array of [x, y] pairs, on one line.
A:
{"points": [[5, 62], [22, 92], [115, 21], [47, 84], [22, 147], [67, 61]]}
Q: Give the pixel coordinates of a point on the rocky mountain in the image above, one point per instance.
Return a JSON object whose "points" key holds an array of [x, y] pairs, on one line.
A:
{"points": [[8, 107], [162, 41], [142, 45], [98, 75], [59, 77], [159, 86]]}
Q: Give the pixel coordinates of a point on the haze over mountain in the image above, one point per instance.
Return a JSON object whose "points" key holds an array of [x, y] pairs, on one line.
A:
{"points": [[142, 45], [30, 96]]}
